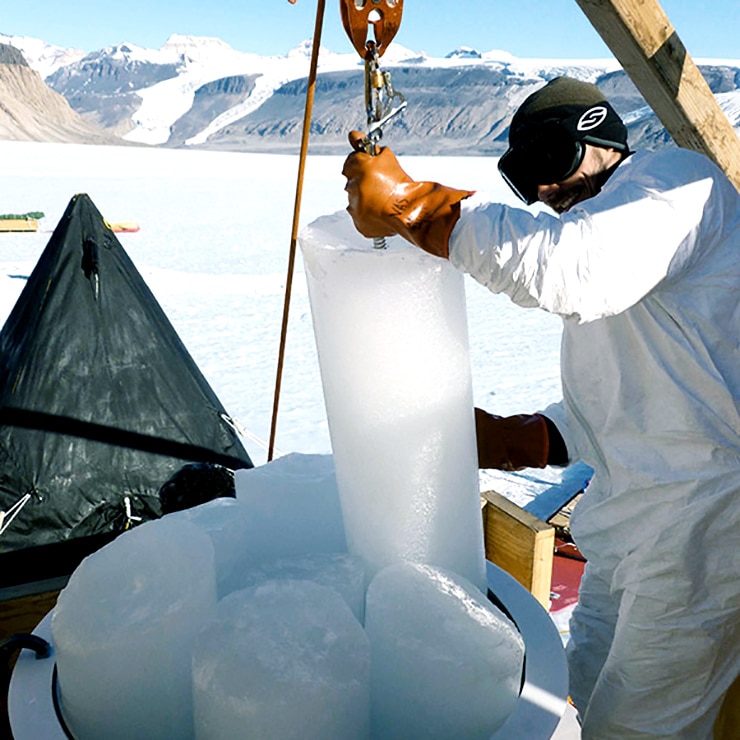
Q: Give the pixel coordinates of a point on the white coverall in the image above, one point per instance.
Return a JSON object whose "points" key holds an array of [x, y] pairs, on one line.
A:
{"points": [[646, 276]]}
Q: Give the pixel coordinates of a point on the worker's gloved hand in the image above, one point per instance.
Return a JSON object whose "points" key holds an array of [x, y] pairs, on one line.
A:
{"points": [[511, 442], [384, 200]]}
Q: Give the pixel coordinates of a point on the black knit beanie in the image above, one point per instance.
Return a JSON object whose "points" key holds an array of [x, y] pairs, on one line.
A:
{"points": [[594, 121]]}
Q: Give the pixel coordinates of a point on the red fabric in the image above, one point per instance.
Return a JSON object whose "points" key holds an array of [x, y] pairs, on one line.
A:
{"points": [[567, 569]]}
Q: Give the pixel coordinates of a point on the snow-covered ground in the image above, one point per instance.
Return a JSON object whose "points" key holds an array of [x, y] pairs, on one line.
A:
{"points": [[213, 247]]}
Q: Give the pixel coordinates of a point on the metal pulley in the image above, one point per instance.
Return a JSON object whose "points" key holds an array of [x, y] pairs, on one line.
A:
{"points": [[384, 16]]}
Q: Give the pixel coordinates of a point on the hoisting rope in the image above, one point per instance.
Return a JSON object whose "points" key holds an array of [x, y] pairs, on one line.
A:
{"points": [[383, 18], [296, 214], [382, 102]]}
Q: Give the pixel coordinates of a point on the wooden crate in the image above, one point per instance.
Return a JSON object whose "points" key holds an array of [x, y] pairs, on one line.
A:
{"points": [[519, 543]]}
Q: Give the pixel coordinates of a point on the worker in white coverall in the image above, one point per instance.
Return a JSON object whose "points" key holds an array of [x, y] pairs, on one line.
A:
{"points": [[642, 261]]}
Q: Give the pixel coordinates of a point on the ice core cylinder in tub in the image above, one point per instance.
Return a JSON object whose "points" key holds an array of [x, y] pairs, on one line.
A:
{"points": [[392, 340]]}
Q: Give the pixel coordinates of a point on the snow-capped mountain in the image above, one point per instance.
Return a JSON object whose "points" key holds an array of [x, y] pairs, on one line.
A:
{"points": [[40, 56], [147, 91], [31, 111], [197, 91]]}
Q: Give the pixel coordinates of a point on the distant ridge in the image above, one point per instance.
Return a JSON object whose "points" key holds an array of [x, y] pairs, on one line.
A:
{"points": [[31, 111], [11, 55], [198, 92]]}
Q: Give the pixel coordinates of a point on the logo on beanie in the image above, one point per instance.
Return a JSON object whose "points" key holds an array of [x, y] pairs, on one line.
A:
{"points": [[592, 118]]}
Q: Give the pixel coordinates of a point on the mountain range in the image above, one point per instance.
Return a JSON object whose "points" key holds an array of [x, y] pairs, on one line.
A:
{"points": [[31, 111], [199, 92]]}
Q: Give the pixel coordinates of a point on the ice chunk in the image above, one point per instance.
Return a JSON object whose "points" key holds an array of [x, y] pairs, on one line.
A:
{"points": [[392, 339], [446, 663], [122, 631], [343, 572], [286, 659], [230, 526], [295, 507]]}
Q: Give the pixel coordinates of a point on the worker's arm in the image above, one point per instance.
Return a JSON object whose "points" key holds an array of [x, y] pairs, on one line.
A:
{"points": [[607, 253]]}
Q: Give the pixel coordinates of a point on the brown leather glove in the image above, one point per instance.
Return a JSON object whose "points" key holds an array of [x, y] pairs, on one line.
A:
{"points": [[384, 200], [512, 442]]}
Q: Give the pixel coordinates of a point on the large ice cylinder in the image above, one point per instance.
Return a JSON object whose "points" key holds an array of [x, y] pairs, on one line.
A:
{"points": [[284, 660], [446, 663], [123, 629], [392, 340]]}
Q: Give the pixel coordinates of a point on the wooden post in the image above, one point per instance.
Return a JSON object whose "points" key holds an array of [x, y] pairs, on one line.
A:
{"points": [[647, 46]]}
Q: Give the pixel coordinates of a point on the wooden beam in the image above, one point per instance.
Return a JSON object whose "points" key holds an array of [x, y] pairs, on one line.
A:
{"points": [[23, 614], [519, 543], [18, 224], [647, 46]]}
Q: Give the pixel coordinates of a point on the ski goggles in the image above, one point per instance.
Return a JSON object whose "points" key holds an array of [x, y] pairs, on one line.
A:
{"points": [[551, 154]]}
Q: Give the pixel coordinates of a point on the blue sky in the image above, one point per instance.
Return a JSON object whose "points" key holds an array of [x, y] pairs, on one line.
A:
{"points": [[526, 28]]}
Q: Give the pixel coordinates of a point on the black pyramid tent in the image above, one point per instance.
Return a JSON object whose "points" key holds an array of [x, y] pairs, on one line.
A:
{"points": [[100, 402]]}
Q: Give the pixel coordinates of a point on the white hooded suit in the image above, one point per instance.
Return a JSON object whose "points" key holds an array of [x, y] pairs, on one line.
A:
{"points": [[646, 276]]}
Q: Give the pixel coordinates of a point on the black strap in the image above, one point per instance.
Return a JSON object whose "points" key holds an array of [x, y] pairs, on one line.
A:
{"points": [[56, 424]]}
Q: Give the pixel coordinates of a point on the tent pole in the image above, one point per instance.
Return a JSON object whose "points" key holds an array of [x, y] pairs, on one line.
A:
{"points": [[296, 215]]}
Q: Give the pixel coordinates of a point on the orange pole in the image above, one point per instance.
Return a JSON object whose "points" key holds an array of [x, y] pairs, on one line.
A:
{"points": [[296, 216]]}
